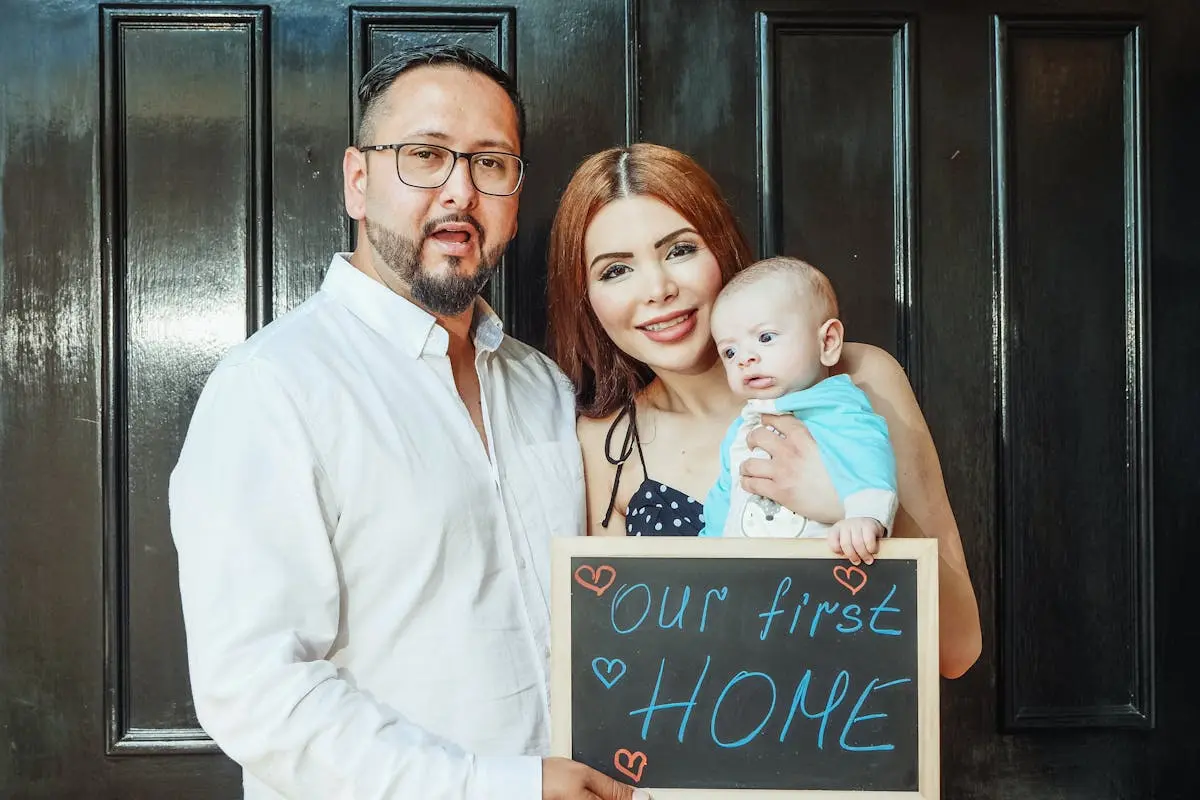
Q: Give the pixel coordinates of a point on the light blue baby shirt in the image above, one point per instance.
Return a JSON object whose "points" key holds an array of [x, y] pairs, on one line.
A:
{"points": [[851, 438]]}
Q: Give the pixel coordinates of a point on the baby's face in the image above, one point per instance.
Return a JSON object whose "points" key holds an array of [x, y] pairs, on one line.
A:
{"points": [[769, 339]]}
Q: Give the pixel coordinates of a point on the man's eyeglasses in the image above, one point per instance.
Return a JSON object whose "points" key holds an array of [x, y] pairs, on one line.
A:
{"points": [[428, 166]]}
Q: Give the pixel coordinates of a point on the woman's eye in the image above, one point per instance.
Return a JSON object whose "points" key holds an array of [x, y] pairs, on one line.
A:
{"points": [[681, 249], [613, 271], [766, 338]]}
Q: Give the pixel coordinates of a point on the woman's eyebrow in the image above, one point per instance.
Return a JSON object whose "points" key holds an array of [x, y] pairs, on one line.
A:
{"points": [[672, 235], [658, 244], [603, 256]]}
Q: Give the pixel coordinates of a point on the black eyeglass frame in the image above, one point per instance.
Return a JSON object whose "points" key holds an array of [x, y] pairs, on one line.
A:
{"points": [[364, 148]]}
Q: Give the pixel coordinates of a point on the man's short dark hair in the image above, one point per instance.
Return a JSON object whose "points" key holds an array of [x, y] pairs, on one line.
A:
{"points": [[380, 77]]}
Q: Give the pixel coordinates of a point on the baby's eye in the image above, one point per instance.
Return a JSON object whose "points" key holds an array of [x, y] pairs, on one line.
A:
{"points": [[681, 249], [613, 271], [767, 337], [728, 353]]}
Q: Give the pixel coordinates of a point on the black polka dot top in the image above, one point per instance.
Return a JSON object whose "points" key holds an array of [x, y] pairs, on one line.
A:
{"points": [[655, 508]]}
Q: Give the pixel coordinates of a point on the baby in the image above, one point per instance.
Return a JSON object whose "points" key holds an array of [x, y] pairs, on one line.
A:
{"points": [[777, 332]]}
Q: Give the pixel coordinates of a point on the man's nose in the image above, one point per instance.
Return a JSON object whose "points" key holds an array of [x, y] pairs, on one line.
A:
{"points": [[459, 189]]}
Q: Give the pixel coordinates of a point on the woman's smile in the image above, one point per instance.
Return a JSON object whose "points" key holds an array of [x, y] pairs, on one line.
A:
{"points": [[671, 328]]}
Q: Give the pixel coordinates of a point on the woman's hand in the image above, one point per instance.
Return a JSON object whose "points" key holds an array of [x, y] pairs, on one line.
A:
{"points": [[794, 475]]}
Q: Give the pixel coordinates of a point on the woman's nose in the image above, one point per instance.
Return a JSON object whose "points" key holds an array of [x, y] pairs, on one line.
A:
{"points": [[662, 286]]}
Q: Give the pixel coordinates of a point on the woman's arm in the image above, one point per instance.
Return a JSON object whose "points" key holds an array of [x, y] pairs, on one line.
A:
{"points": [[924, 506], [598, 477]]}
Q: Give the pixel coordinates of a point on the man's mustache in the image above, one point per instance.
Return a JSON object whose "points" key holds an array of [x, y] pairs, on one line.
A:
{"points": [[464, 219]]}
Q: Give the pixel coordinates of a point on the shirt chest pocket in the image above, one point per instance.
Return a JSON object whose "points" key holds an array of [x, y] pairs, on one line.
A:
{"points": [[547, 488]]}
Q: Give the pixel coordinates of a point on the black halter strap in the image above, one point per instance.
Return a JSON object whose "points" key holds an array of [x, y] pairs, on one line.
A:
{"points": [[631, 440]]}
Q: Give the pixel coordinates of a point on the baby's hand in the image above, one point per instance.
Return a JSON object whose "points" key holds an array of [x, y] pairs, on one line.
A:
{"points": [[856, 538]]}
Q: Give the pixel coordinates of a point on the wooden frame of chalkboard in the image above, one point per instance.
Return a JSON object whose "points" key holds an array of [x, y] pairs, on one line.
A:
{"points": [[747, 668]]}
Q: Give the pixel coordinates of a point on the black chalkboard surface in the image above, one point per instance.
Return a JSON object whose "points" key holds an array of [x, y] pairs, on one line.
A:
{"points": [[686, 665]]}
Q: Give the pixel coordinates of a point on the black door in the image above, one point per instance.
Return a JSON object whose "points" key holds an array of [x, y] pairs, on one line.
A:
{"points": [[1002, 192]]}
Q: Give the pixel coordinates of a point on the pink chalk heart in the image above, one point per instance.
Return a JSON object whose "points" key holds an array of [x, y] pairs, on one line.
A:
{"points": [[852, 578], [629, 763], [596, 578]]}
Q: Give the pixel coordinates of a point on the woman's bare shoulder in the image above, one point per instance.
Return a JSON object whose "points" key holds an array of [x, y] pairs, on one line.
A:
{"points": [[594, 441], [880, 375], [598, 474], [592, 431], [863, 361]]}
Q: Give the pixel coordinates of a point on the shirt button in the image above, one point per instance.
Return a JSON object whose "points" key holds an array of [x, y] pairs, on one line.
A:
{"points": [[520, 563]]}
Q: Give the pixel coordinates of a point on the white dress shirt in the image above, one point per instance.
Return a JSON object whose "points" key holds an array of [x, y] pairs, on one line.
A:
{"points": [[366, 587]]}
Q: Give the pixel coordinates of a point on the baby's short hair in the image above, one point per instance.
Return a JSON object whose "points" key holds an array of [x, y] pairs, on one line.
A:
{"points": [[808, 281]]}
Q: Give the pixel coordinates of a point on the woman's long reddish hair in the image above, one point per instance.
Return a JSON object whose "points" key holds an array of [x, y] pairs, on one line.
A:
{"points": [[605, 377]]}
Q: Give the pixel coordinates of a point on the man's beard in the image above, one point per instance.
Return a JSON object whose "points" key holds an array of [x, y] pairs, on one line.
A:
{"points": [[447, 295]]}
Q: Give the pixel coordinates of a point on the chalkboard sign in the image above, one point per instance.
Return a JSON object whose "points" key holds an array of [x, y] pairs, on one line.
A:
{"points": [[747, 667]]}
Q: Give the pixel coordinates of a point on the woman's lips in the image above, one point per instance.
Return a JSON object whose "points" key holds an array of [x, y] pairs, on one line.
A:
{"points": [[671, 330]]}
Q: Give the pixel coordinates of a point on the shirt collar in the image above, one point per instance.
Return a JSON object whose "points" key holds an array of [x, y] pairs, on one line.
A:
{"points": [[401, 321]]}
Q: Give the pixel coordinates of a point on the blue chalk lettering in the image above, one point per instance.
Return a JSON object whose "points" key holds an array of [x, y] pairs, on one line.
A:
{"points": [[842, 681], [784, 586], [721, 594], [852, 616], [824, 608], [678, 621], [875, 611], [619, 597], [797, 702], [796, 616], [741, 676], [855, 718], [656, 706]]}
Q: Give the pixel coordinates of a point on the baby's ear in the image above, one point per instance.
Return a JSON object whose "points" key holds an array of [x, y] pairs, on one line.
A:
{"points": [[832, 336]]}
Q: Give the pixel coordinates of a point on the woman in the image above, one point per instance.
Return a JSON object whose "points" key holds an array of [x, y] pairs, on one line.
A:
{"points": [[640, 246]]}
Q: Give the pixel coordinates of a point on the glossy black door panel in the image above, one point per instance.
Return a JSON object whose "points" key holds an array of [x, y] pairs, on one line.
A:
{"points": [[1003, 193]]}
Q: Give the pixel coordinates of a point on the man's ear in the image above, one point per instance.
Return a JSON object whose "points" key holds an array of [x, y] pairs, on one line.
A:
{"points": [[354, 182], [832, 337]]}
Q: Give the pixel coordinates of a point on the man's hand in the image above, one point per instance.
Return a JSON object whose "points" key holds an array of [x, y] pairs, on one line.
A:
{"points": [[856, 538], [563, 779], [794, 476]]}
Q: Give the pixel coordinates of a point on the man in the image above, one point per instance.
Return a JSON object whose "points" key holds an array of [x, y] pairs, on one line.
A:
{"points": [[364, 502]]}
